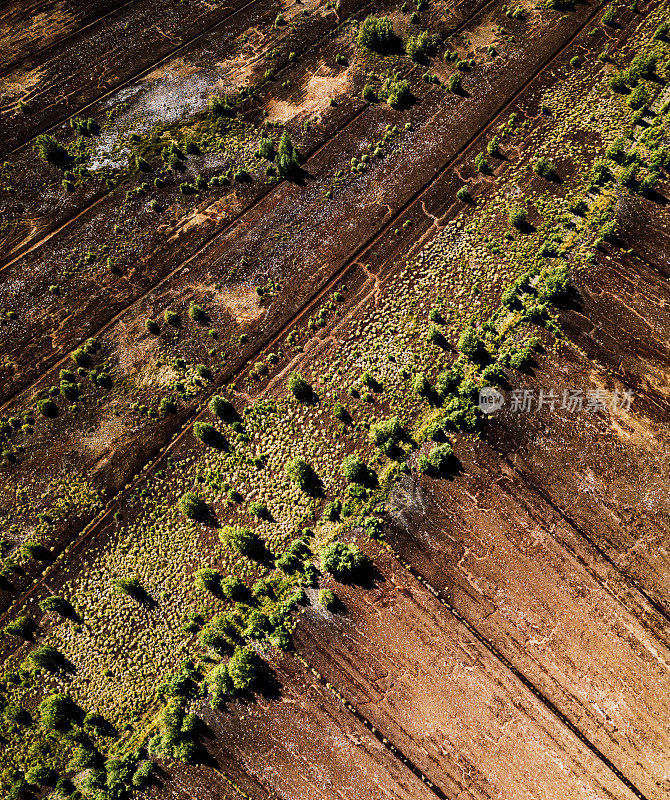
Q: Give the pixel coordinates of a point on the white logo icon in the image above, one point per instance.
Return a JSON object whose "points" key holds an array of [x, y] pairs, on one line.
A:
{"points": [[490, 400]]}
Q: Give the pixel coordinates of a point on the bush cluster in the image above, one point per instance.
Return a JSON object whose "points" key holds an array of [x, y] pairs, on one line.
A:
{"points": [[342, 560], [376, 33]]}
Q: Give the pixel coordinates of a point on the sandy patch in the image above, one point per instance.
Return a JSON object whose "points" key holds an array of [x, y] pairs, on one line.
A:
{"points": [[315, 95], [240, 301]]}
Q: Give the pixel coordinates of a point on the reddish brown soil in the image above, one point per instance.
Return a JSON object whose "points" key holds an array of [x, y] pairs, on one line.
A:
{"points": [[513, 641], [439, 695]]}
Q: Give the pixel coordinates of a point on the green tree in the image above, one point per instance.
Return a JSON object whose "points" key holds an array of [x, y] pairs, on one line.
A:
{"points": [[243, 669], [193, 506], [342, 560], [46, 657], [299, 387], [301, 473], [57, 712], [49, 150], [376, 33], [208, 579], [244, 540], [288, 159], [354, 469]]}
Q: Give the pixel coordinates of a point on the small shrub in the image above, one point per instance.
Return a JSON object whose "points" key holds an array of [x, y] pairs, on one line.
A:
{"points": [[545, 168], [340, 412], [40, 775], [167, 406], [369, 93], [193, 506], [299, 387], [419, 47], [332, 511], [46, 657], [601, 172], [376, 33], [662, 31], [288, 159], [471, 344], [130, 586], [518, 217], [36, 550], [247, 542], [421, 385], [208, 579], [49, 150], [555, 283], [435, 335], [47, 408], [617, 82], [493, 147], [638, 97], [301, 473], [397, 91], [22, 627], [260, 510], [354, 469], [609, 17], [386, 435], [219, 684], [629, 176], [266, 148], [454, 84], [152, 326], [326, 598], [222, 408], [142, 774], [81, 357], [220, 106], [342, 560], [440, 457], [207, 434], [58, 605], [233, 588], [197, 312]]}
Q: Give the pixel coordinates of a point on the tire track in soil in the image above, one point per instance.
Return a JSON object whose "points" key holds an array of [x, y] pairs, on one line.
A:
{"points": [[469, 626], [381, 738], [519, 675], [54, 123], [584, 536], [209, 240], [58, 42], [236, 372], [342, 21], [18, 255], [184, 45]]}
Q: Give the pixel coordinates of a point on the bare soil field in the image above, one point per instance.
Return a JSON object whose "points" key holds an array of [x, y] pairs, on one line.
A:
{"points": [[263, 271]]}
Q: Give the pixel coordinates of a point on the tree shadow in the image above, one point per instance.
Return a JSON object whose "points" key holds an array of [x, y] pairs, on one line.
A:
{"points": [[655, 197], [372, 383], [448, 471], [314, 486], [337, 606], [525, 227], [366, 576]]}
